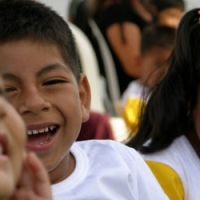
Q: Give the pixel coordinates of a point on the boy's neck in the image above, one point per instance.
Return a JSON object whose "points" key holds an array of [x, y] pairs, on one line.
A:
{"points": [[63, 170]]}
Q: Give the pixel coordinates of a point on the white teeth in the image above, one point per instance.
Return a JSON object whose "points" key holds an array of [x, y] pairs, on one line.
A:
{"points": [[52, 128], [29, 132], [42, 131], [35, 132]]}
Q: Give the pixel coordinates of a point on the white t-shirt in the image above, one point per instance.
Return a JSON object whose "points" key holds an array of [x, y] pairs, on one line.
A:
{"points": [[108, 170], [181, 156]]}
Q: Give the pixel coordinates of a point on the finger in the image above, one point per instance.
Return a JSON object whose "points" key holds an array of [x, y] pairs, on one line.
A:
{"points": [[40, 176], [24, 180], [23, 194]]}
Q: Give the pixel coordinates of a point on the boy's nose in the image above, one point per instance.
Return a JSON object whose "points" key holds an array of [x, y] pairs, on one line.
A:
{"points": [[33, 102], [3, 108]]}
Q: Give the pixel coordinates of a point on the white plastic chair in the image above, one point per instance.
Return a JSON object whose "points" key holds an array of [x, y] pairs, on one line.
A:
{"points": [[111, 74], [90, 67]]}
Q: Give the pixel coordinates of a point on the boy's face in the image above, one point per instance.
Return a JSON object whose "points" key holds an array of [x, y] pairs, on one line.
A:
{"points": [[152, 65], [12, 147], [46, 94]]}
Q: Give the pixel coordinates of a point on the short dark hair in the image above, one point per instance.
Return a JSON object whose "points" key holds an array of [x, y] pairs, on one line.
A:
{"points": [[27, 19], [157, 36]]}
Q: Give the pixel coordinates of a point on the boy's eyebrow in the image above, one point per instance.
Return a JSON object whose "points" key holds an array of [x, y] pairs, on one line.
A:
{"points": [[50, 68], [45, 70], [8, 76]]}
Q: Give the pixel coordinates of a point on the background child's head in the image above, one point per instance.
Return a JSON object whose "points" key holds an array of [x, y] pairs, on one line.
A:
{"points": [[157, 44], [167, 12], [51, 28], [12, 147]]}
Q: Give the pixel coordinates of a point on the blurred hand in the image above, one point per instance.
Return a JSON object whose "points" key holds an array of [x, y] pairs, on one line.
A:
{"points": [[34, 183]]}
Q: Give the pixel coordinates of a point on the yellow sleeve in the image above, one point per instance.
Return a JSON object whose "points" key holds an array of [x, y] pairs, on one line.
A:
{"points": [[131, 113], [168, 179]]}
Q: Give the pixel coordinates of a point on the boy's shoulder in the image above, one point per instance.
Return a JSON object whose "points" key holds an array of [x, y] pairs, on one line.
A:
{"points": [[108, 149], [108, 155], [104, 145], [112, 170], [119, 167]]}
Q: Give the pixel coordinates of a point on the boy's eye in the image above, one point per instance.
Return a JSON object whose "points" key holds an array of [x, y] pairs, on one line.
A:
{"points": [[9, 89], [54, 81]]}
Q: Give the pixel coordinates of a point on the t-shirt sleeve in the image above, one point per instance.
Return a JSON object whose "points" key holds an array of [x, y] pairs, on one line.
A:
{"points": [[168, 179], [145, 186]]}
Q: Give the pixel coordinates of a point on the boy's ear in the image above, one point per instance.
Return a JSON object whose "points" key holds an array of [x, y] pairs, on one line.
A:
{"points": [[85, 96]]}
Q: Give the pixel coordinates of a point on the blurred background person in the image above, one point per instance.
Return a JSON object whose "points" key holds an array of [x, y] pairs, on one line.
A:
{"points": [[156, 46], [121, 23]]}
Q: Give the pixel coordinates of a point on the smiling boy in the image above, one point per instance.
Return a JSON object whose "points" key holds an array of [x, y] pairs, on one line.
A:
{"points": [[43, 81], [46, 95]]}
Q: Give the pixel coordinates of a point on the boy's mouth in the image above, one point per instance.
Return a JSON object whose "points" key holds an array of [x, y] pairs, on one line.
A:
{"points": [[40, 138]]}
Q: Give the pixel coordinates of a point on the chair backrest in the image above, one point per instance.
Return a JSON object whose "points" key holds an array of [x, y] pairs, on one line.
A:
{"points": [[110, 70], [90, 67]]}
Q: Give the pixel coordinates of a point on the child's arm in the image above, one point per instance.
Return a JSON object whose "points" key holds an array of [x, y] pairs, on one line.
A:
{"points": [[34, 182]]}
